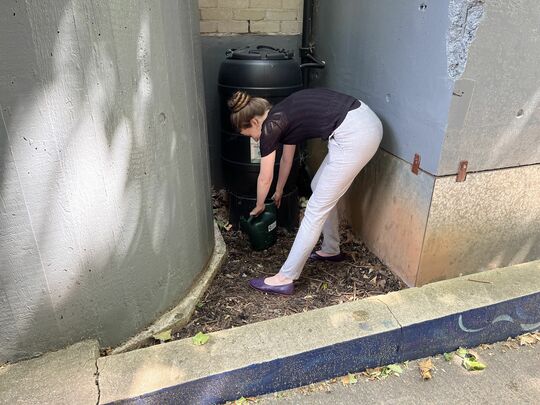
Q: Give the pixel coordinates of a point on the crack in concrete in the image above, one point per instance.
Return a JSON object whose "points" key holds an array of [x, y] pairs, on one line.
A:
{"points": [[386, 305], [398, 346], [97, 383]]}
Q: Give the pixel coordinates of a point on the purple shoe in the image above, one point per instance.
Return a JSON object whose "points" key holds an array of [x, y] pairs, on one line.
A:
{"points": [[259, 284], [336, 258]]}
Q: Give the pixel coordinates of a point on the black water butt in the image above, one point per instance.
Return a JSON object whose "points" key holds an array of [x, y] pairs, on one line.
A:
{"points": [[271, 73]]}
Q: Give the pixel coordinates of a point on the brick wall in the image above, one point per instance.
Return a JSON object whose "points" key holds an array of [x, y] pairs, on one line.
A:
{"points": [[251, 16]]}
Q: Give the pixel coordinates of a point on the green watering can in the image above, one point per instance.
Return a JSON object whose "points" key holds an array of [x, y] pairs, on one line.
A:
{"points": [[262, 230]]}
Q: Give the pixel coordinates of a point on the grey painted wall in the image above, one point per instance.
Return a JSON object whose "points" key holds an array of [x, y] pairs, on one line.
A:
{"points": [[213, 53], [105, 215], [392, 55], [495, 119]]}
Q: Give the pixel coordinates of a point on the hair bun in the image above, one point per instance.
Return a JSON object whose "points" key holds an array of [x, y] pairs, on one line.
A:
{"points": [[238, 101]]}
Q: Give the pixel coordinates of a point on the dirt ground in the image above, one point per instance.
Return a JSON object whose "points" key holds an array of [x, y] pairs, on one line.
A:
{"points": [[230, 302]]}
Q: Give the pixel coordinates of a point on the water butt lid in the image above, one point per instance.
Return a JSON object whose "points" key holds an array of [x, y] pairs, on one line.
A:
{"points": [[259, 52]]}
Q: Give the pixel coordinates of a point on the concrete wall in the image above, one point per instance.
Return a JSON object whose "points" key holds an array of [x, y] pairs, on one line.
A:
{"points": [[105, 215], [495, 113]]}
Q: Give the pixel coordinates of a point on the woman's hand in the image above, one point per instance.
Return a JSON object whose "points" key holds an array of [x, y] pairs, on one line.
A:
{"points": [[277, 197], [258, 210]]}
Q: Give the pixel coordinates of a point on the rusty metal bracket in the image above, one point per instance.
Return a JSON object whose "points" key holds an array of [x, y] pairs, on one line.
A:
{"points": [[462, 171], [416, 164]]}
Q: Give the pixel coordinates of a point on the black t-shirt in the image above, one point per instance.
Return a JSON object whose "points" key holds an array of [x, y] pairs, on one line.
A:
{"points": [[310, 113]]}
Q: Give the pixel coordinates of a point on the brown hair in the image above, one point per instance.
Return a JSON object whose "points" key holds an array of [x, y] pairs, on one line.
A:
{"points": [[244, 107]]}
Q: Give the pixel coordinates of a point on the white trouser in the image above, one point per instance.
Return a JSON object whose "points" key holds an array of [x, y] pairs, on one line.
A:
{"points": [[350, 148]]}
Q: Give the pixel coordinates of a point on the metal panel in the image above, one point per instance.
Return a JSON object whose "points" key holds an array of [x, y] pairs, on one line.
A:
{"points": [[488, 221], [388, 206]]}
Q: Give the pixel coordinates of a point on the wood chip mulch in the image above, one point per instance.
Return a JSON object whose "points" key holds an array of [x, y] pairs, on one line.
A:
{"points": [[230, 302]]}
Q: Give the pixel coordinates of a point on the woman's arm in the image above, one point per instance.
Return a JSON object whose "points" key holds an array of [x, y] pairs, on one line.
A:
{"points": [[285, 164], [266, 175]]}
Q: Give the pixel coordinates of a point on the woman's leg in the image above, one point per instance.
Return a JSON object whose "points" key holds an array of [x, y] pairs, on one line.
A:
{"points": [[330, 231], [350, 149], [330, 244]]}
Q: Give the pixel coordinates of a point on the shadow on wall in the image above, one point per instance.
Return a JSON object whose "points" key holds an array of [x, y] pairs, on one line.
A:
{"points": [[104, 186]]}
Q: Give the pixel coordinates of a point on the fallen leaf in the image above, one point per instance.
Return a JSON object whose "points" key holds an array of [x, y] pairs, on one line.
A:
{"points": [[461, 352], [448, 356], [380, 373], [222, 224], [426, 366], [510, 345], [349, 379], [324, 286], [200, 339], [163, 336], [373, 373], [228, 227], [240, 401], [395, 369], [471, 364], [527, 340]]}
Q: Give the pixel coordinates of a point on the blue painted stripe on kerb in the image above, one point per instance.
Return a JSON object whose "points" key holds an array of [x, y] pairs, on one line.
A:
{"points": [[482, 325], [487, 324]]}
